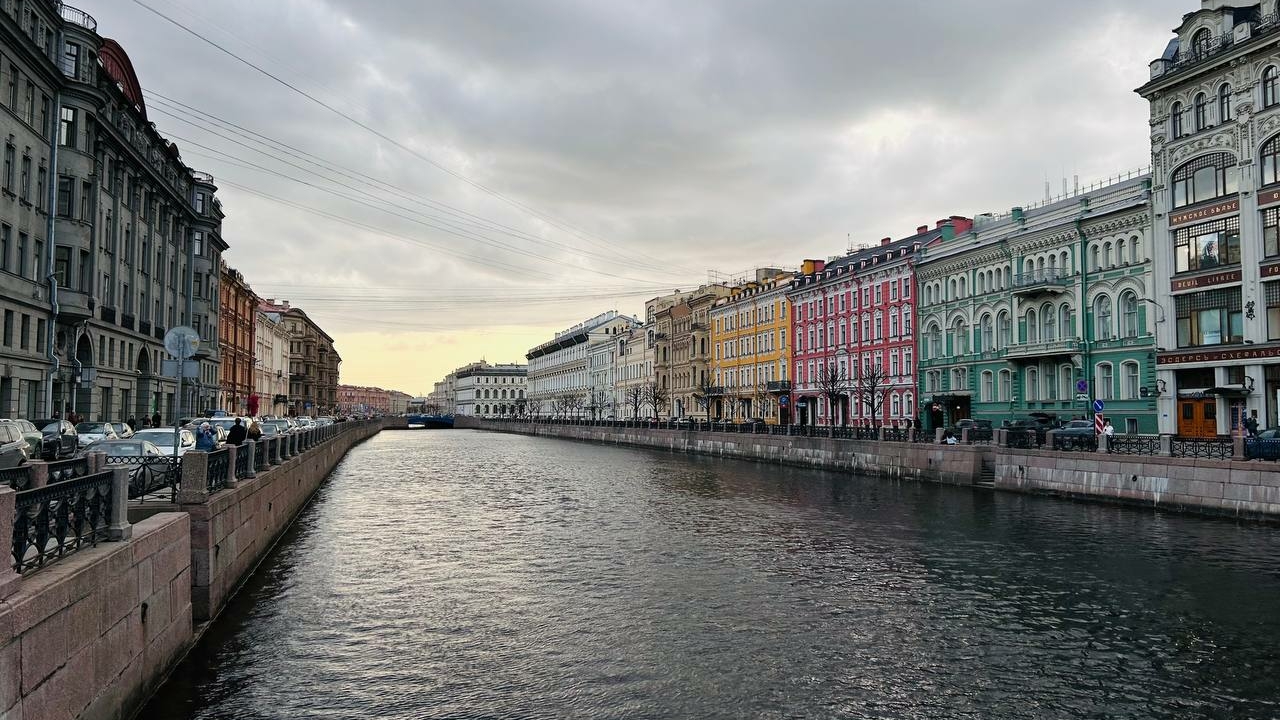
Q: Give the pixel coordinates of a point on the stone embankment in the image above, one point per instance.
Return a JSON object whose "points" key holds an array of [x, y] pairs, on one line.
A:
{"points": [[1218, 486]]}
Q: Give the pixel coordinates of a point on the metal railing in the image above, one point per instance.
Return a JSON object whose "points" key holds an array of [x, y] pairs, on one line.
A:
{"points": [[980, 435], [151, 477], [18, 478], [60, 470], [1219, 448], [242, 462], [1075, 443], [77, 16], [1033, 278], [1259, 449], [1134, 444], [56, 520], [1022, 439], [218, 469]]}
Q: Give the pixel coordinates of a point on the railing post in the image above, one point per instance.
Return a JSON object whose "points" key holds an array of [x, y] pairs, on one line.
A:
{"points": [[938, 433], [194, 489], [1000, 437], [232, 452], [964, 436], [1104, 443], [38, 475], [1166, 446], [9, 578], [97, 462], [284, 446], [251, 447], [880, 434], [119, 529], [1048, 439], [1237, 447]]}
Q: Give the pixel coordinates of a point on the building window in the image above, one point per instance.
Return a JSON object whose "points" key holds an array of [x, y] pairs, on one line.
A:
{"points": [[1211, 317], [1270, 77], [1129, 381], [1105, 383], [1207, 245], [1201, 112], [1224, 103], [986, 338], [1129, 314], [1102, 318], [1065, 381], [66, 194], [1032, 326], [1201, 43], [987, 392], [62, 264], [1271, 161], [1033, 384], [1175, 120], [1047, 323], [1205, 178], [67, 128]]}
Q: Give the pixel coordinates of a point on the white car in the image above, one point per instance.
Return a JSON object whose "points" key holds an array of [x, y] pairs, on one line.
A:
{"points": [[92, 432], [163, 439]]}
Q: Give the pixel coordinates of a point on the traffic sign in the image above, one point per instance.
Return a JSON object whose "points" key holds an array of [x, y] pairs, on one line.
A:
{"points": [[1082, 396], [182, 342], [1082, 386], [1097, 423], [1099, 406]]}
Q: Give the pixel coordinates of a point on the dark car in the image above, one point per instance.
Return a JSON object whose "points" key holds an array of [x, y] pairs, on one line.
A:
{"points": [[1076, 434], [60, 439], [32, 435], [13, 446]]}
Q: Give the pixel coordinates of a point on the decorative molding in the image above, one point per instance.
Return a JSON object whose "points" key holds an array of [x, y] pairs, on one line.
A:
{"points": [[1216, 141]]}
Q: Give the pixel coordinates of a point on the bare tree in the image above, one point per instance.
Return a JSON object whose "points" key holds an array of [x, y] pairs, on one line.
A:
{"points": [[636, 398], [521, 408], [869, 388], [600, 403], [704, 395], [761, 400], [833, 384], [656, 397]]}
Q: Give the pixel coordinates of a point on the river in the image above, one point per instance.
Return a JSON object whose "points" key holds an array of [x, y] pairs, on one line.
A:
{"points": [[459, 574]]}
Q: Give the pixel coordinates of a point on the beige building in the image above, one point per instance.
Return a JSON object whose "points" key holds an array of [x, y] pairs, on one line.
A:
{"points": [[683, 349], [313, 361], [271, 364], [634, 373]]}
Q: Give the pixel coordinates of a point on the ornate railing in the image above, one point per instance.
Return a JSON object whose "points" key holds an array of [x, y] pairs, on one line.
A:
{"points": [[1048, 276], [1258, 449], [56, 520], [1213, 448], [866, 433], [17, 478], [1075, 443], [1134, 444], [151, 477], [1021, 439], [78, 17], [897, 434], [260, 461], [218, 469], [68, 469], [242, 462], [980, 435]]}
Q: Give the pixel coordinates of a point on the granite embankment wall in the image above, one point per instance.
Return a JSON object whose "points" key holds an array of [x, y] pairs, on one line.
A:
{"points": [[1236, 488], [928, 462]]}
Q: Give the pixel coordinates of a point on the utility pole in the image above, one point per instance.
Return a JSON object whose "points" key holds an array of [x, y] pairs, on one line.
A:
{"points": [[50, 236]]}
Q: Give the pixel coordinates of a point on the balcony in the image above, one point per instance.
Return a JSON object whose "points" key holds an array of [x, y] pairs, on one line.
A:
{"points": [[1213, 47], [1036, 282], [778, 386], [715, 391], [76, 16], [126, 321], [74, 306], [108, 315], [1043, 349]]}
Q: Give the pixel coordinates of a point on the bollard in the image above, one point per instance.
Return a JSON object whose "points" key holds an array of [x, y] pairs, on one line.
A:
{"points": [[9, 578], [194, 488], [1104, 443], [251, 447], [964, 436], [1166, 446], [119, 529], [232, 452]]}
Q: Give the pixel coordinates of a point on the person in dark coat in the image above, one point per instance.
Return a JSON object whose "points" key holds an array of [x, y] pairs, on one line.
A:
{"points": [[255, 431], [155, 420], [132, 423], [237, 434]]}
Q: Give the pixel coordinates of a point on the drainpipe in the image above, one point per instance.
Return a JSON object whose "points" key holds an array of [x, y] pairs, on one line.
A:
{"points": [[51, 211], [1085, 325]]}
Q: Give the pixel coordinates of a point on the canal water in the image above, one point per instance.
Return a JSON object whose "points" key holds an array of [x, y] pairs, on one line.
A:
{"points": [[455, 574]]}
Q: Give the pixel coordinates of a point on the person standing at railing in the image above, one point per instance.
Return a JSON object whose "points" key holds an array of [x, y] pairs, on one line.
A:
{"points": [[237, 433], [205, 440]]}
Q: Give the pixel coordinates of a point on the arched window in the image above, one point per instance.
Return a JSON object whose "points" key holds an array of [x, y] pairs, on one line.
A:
{"points": [[1064, 263], [1032, 327], [1048, 324], [1201, 112], [1175, 120], [1102, 317], [1224, 103], [1271, 161], [988, 389], [1202, 43], [1033, 384], [1270, 86], [1066, 381], [960, 338], [908, 407], [1207, 177], [1129, 381], [1106, 255], [1129, 314], [1120, 254], [1094, 254], [960, 378], [1005, 389], [1066, 321], [986, 338], [1133, 249], [1105, 382], [964, 291], [1004, 330], [933, 341]]}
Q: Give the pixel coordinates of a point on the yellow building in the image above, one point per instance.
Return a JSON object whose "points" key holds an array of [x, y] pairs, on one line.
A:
{"points": [[750, 354]]}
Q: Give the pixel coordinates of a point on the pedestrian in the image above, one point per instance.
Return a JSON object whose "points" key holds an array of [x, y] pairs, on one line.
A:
{"points": [[155, 420], [1108, 430], [132, 423], [205, 440], [1251, 424], [949, 438], [255, 431], [237, 433], [145, 423]]}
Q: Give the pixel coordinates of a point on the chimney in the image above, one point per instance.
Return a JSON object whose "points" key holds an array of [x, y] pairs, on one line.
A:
{"points": [[948, 229], [940, 222], [886, 241], [922, 229]]}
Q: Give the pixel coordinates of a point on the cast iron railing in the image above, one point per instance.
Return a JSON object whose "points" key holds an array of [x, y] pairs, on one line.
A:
{"points": [[980, 435], [155, 478], [260, 454], [1021, 439], [1075, 443], [1134, 444], [217, 470], [897, 434], [17, 478], [68, 469], [56, 520], [1258, 449], [1219, 448], [242, 462]]}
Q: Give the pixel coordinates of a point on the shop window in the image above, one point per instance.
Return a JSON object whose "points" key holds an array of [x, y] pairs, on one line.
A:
{"points": [[1212, 317], [1205, 178], [1207, 245]]}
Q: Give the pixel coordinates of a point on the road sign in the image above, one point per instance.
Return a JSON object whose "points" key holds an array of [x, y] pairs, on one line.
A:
{"points": [[1082, 396], [190, 368], [182, 342], [1099, 406], [1097, 423], [1082, 386], [782, 401]]}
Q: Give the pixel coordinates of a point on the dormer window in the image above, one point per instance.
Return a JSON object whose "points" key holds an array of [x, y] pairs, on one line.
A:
{"points": [[1201, 43]]}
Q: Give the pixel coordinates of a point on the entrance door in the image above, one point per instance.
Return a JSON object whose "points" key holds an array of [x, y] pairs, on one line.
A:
{"points": [[1198, 418]]}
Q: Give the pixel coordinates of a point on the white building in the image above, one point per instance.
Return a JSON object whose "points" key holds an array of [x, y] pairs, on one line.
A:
{"points": [[484, 390], [634, 372], [271, 364], [560, 377]]}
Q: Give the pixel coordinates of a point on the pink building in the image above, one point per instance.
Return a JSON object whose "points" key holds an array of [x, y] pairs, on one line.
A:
{"points": [[853, 325]]}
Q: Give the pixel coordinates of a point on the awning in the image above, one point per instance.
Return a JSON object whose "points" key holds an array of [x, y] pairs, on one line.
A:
{"points": [[1228, 391]]}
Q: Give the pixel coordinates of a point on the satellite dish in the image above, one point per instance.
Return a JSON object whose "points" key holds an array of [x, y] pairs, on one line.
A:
{"points": [[182, 342]]}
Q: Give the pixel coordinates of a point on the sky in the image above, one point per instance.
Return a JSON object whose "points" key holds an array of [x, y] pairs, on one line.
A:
{"points": [[437, 182]]}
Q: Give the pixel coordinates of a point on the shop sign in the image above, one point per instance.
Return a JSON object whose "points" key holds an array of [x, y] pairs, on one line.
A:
{"points": [[1200, 281], [1204, 213], [1199, 356]]}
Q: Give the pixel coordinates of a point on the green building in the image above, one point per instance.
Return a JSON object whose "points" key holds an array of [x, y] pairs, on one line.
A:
{"points": [[1042, 311]]}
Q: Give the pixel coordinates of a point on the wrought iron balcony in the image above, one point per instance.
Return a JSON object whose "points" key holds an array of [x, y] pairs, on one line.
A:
{"points": [[716, 391], [126, 321], [1041, 281], [76, 16], [1043, 349], [778, 386]]}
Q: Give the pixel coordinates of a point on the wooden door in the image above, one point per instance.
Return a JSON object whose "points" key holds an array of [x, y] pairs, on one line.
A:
{"points": [[1198, 418]]}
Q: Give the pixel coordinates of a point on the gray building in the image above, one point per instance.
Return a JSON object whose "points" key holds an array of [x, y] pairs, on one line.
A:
{"points": [[107, 239]]}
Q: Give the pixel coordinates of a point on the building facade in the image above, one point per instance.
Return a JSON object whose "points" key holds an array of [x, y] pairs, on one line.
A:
{"points": [[238, 310], [1215, 153], [750, 357], [313, 361], [271, 364], [683, 352], [635, 373], [559, 377], [854, 320], [97, 247], [485, 390], [1041, 312]]}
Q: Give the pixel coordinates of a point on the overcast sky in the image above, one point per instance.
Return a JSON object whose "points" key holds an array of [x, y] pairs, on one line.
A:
{"points": [[536, 162]]}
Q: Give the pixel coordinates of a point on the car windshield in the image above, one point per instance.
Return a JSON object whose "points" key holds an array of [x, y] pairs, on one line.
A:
{"points": [[52, 427], [123, 449], [91, 427]]}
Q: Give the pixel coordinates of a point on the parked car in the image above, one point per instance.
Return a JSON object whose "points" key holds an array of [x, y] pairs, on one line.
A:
{"points": [[92, 432], [969, 423], [273, 427], [142, 473], [32, 435], [13, 446], [163, 439], [1082, 428], [60, 439], [133, 447], [123, 431]]}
